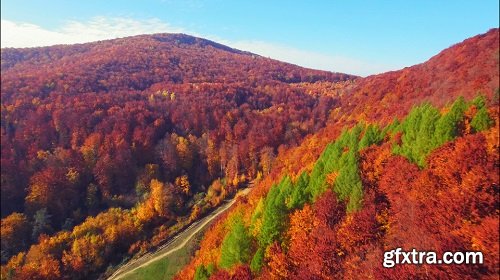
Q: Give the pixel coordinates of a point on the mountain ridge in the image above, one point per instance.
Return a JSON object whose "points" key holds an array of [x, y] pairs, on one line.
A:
{"points": [[116, 145], [461, 69], [155, 58]]}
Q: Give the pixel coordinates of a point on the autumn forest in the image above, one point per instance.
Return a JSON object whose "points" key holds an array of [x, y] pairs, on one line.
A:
{"points": [[108, 149]]}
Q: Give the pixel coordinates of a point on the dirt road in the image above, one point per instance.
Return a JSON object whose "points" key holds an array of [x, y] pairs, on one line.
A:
{"points": [[176, 243]]}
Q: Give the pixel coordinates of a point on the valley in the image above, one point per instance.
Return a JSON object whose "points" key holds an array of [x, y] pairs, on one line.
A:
{"points": [[121, 155]]}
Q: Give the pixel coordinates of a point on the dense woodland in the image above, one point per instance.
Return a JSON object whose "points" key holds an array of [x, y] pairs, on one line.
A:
{"points": [[429, 181], [108, 148], [411, 169], [111, 147]]}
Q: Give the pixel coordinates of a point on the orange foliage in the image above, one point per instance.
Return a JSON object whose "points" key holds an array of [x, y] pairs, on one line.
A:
{"points": [[278, 262], [230, 118]]}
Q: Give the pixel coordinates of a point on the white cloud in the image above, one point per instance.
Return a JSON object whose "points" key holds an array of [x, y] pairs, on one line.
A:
{"points": [[99, 28], [15, 34]]}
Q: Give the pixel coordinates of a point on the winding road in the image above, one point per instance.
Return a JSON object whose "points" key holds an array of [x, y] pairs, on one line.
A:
{"points": [[177, 242]]}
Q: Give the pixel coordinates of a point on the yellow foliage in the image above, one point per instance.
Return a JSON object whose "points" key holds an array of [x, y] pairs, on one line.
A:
{"points": [[185, 153], [259, 176], [235, 181], [183, 183], [159, 197], [72, 175], [243, 178], [16, 261], [195, 213], [42, 155]]}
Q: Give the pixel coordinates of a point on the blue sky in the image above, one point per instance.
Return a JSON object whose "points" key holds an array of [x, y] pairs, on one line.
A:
{"points": [[357, 37]]}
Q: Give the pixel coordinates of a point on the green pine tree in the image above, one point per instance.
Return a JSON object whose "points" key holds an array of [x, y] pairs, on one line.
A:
{"points": [[257, 261], [447, 127], [236, 246], [275, 214], [299, 196], [201, 273], [373, 135], [481, 121]]}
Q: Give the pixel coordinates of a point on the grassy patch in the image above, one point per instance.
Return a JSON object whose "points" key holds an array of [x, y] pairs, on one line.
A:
{"points": [[167, 267]]}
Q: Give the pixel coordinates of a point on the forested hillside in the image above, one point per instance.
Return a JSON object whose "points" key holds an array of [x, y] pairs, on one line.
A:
{"points": [[428, 182], [110, 147], [409, 159]]}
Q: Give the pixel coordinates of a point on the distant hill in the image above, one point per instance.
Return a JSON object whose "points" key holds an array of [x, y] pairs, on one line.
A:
{"points": [[136, 63], [463, 69]]}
